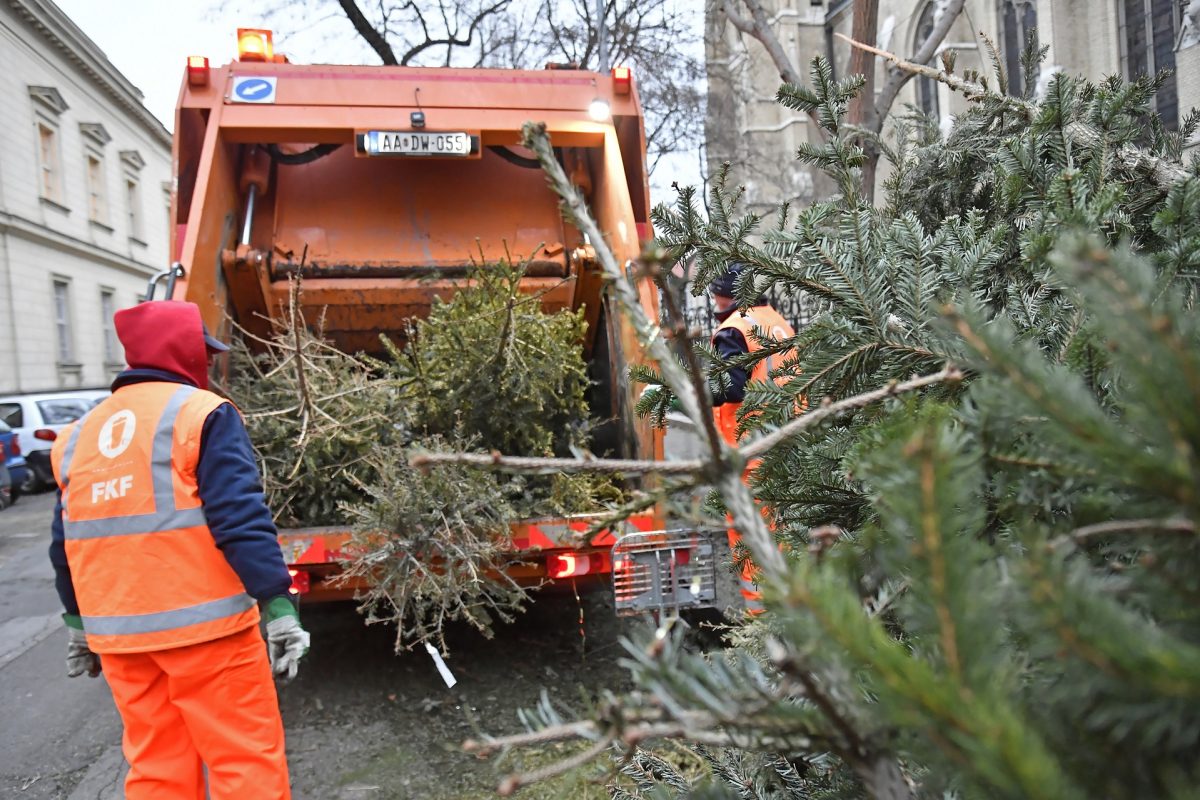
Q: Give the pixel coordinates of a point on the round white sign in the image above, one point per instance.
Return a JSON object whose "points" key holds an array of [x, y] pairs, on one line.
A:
{"points": [[110, 446]]}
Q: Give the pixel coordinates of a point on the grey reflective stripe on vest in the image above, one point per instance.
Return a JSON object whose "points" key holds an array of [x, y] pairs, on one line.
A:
{"points": [[64, 468], [69, 452], [764, 333], [168, 620], [164, 517]]}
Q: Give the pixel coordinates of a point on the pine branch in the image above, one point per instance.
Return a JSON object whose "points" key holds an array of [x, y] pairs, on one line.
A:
{"points": [[755, 448], [1102, 529], [726, 477], [1163, 172]]}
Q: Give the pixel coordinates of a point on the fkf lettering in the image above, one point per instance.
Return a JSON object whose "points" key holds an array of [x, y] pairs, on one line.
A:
{"points": [[111, 490]]}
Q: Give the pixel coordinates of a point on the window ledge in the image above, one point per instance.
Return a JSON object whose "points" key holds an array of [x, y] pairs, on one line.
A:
{"points": [[57, 206], [137, 241], [95, 223], [70, 366]]}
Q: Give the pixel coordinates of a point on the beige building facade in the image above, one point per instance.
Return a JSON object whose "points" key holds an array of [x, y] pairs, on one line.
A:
{"points": [[746, 127], [84, 186]]}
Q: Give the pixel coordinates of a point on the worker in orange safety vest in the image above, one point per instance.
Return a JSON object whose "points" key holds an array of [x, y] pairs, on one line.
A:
{"points": [[164, 550], [733, 338]]}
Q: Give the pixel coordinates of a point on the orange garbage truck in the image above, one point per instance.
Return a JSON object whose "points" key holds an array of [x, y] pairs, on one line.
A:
{"points": [[378, 185]]}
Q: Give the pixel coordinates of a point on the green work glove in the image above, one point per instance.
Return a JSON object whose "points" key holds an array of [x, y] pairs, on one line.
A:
{"points": [[287, 642], [80, 658], [651, 395]]}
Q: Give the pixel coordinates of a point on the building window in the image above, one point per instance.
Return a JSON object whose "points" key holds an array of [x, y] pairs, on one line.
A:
{"points": [[48, 106], [132, 163], [62, 321], [1148, 30], [1018, 25], [95, 139], [50, 184], [133, 202], [927, 88], [97, 198], [107, 310]]}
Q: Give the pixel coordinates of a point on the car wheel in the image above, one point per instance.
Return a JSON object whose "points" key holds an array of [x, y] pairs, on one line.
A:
{"points": [[32, 483]]}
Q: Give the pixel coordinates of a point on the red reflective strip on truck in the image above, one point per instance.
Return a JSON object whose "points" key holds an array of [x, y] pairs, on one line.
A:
{"points": [[423, 77]]}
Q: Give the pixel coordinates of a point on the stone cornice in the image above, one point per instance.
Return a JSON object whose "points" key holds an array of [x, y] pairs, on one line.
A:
{"points": [[32, 231], [73, 44]]}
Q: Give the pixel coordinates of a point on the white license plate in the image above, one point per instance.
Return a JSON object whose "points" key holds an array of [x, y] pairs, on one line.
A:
{"points": [[417, 143]]}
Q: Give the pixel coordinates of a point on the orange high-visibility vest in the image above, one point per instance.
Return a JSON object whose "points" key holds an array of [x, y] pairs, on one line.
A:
{"points": [[147, 573], [769, 323]]}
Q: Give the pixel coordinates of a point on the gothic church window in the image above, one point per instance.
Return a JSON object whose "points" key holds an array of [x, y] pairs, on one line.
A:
{"points": [[1018, 22], [1148, 32], [927, 88]]}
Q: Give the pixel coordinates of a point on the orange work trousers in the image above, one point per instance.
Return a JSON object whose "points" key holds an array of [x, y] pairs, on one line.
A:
{"points": [[205, 705]]}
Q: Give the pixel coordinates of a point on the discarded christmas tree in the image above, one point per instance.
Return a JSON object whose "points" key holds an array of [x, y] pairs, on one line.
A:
{"points": [[1007, 605], [487, 370]]}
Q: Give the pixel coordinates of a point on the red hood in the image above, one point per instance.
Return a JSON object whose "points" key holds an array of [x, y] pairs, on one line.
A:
{"points": [[166, 335]]}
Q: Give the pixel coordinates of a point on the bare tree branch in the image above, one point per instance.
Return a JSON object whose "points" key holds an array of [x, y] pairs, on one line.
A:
{"points": [[452, 38], [760, 28], [897, 76], [370, 35]]}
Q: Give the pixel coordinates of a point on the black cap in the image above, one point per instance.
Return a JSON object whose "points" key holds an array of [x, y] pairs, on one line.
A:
{"points": [[211, 343], [722, 285]]}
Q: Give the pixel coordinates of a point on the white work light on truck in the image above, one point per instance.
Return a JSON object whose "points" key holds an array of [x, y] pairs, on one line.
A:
{"points": [[599, 110]]}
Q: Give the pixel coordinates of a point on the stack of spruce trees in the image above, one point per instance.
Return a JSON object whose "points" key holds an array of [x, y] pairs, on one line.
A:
{"points": [[487, 370]]}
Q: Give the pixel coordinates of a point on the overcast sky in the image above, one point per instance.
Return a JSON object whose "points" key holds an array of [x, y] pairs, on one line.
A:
{"points": [[150, 40]]}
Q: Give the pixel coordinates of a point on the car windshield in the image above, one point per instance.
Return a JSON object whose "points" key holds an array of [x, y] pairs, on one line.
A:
{"points": [[63, 410]]}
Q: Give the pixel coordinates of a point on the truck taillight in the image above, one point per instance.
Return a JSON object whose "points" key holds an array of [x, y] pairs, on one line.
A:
{"points": [[622, 80], [45, 434], [300, 581], [255, 44], [197, 70], [571, 565], [14, 448]]}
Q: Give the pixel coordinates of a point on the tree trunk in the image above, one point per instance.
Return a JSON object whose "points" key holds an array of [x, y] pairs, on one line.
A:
{"points": [[862, 112]]}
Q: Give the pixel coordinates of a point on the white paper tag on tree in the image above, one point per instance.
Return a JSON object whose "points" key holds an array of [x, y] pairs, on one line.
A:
{"points": [[442, 669]]}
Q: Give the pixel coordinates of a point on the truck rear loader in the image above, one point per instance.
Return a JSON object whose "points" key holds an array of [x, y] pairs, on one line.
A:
{"points": [[378, 186]]}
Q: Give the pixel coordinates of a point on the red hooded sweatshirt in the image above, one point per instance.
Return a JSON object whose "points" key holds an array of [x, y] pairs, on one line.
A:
{"points": [[166, 335]]}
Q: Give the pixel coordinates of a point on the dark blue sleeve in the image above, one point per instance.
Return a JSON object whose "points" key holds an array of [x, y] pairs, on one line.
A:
{"points": [[237, 513], [729, 344], [58, 557]]}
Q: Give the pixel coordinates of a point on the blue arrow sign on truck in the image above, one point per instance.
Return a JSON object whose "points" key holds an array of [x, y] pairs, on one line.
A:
{"points": [[253, 89]]}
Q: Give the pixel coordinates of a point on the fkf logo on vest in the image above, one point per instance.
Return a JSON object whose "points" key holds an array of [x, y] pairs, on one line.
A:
{"points": [[115, 437]]}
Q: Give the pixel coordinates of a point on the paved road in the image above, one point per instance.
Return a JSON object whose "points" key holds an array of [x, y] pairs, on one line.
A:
{"points": [[362, 723], [52, 729]]}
